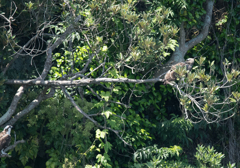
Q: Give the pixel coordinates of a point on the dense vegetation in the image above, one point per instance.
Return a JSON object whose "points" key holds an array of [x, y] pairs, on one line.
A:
{"points": [[81, 83]]}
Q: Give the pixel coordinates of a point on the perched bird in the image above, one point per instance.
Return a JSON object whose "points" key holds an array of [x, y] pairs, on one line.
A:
{"points": [[5, 139], [171, 74]]}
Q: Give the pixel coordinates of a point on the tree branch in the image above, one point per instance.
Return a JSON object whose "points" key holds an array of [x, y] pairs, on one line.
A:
{"points": [[182, 36], [81, 82], [88, 117], [126, 106], [179, 53], [47, 67], [13, 105], [204, 32], [12, 147], [31, 106]]}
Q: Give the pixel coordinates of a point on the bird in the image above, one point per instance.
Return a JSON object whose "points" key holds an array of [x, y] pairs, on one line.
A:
{"points": [[171, 74], [5, 139]]}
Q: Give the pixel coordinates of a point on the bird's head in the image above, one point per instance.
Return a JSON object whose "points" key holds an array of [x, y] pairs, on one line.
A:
{"points": [[8, 129], [190, 61]]}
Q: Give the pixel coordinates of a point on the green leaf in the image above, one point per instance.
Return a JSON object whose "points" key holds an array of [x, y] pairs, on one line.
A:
{"points": [[100, 134], [107, 146], [105, 48], [105, 95], [107, 113]]}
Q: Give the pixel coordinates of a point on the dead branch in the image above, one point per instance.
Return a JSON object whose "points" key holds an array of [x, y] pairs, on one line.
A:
{"points": [[32, 105], [81, 82], [13, 105], [12, 147], [47, 67]]}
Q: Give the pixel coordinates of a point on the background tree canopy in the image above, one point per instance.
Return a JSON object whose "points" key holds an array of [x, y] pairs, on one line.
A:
{"points": [[82, 83]]}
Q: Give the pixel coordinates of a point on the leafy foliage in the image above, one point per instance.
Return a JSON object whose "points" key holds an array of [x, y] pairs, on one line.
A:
{"points": [[153, 152], [174, 130], [64, 131], [123, 38], [208, 157]]}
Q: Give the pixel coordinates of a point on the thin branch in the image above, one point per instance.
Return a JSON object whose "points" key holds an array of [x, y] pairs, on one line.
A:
{"points": [[12, 147], [81, 75], [88, 62], [126, 106], [17, 54], [87, 116]]}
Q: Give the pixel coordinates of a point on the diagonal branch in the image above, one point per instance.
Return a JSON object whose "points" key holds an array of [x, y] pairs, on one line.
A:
{"points": [[12, 147], [47, 67], [205, 29], [32, 105], [88, 117], [13, 105], [48, 62]]}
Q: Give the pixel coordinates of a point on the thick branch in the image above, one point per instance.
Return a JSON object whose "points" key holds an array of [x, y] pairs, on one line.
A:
{"points": [[179, 53], [47, 67], [182, 36], [13, 105], [204, 32], [81, 82], [31, 106]]}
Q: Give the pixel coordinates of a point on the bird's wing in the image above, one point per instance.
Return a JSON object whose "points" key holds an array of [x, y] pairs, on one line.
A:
{"points": [[174, 67], [189, 67], [170, 76], [5, 141], [2, 134]]}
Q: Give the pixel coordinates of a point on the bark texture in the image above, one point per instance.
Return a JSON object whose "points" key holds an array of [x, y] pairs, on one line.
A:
{"points": [[178, 55]]}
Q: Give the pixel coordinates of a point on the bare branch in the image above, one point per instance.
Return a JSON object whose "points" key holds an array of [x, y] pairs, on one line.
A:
{"points": [[204, 32], [31, 106], [81, 82], [47, 67], [13, 105], [12, 147]]}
